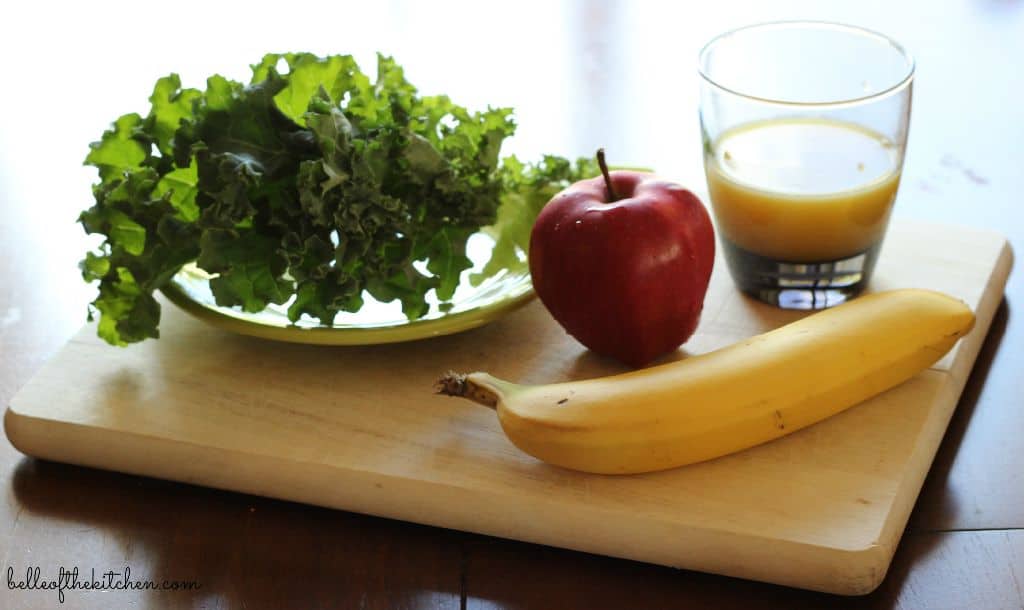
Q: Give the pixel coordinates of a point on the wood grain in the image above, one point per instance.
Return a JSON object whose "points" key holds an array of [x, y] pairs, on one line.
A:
{"points": [[273, 554], [612, 73], [334, 428], [939, 571]]}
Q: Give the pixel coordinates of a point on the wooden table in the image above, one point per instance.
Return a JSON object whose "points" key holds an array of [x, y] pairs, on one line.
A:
{"points": [[580, 74]]}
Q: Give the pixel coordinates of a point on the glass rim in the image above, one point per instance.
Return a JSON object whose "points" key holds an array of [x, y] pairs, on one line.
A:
{"points": [[901, 84]]}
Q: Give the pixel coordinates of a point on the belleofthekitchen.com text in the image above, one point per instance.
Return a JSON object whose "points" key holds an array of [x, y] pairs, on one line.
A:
{"points": [[33, 579]]}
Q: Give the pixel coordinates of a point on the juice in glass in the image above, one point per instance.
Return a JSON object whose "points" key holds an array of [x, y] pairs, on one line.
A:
{"points": [[801, 190], [804, 126]]}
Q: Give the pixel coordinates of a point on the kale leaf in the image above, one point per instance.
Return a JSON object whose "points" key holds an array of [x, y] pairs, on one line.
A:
{"points": [[308, 186]]}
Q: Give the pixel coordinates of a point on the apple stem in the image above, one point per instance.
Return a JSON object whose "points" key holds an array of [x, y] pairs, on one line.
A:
{"points": [[612, 196]]}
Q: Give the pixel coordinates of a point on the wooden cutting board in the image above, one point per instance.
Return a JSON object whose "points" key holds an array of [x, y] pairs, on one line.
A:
{"points": [[358, 429]]}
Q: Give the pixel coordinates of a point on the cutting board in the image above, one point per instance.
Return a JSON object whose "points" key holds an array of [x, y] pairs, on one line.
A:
{"points": [[359, 429]]}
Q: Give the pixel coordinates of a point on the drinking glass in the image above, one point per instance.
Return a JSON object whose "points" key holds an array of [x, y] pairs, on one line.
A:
{"points": [[804, 126]]}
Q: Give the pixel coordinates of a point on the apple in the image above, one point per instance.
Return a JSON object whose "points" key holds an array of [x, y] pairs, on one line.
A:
{"points": [[622, 261]]}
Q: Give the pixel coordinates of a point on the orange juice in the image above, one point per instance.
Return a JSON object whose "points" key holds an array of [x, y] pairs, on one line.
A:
{"points": [[803, 190]]}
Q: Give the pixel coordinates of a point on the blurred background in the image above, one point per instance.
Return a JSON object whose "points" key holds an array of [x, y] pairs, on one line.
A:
{"points": [[579, 73]]}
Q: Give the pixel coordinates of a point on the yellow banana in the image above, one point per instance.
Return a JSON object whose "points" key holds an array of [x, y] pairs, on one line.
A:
{"points": [[739, 396]]}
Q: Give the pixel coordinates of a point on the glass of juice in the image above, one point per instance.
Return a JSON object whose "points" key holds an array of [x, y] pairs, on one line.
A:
{"points": [[804, 126]]}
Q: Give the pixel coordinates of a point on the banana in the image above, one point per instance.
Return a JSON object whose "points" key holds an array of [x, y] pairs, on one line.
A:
{"points": [[724, 401]]}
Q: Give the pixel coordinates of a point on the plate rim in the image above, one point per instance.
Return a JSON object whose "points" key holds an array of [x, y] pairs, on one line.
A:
{"points": [[446, 324]]}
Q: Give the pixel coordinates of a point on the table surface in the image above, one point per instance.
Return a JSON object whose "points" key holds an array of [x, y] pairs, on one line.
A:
{"points": [[580, 74]]}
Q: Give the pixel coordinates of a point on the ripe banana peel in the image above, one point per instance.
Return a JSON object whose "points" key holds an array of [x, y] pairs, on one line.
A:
{"points": [[736, 397]]}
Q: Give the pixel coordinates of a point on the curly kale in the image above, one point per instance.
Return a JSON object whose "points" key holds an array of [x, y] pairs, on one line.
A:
{"points": [[309, 187]]}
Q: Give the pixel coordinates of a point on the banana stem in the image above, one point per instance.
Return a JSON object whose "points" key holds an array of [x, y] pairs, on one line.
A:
{"points": [[458, 384]]}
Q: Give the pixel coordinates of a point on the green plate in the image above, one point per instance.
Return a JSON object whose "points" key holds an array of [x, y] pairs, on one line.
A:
{"points": [[481, 297]]}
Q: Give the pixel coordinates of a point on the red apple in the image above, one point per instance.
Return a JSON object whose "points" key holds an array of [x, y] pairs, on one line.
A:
{"points": [[622, 261]]}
